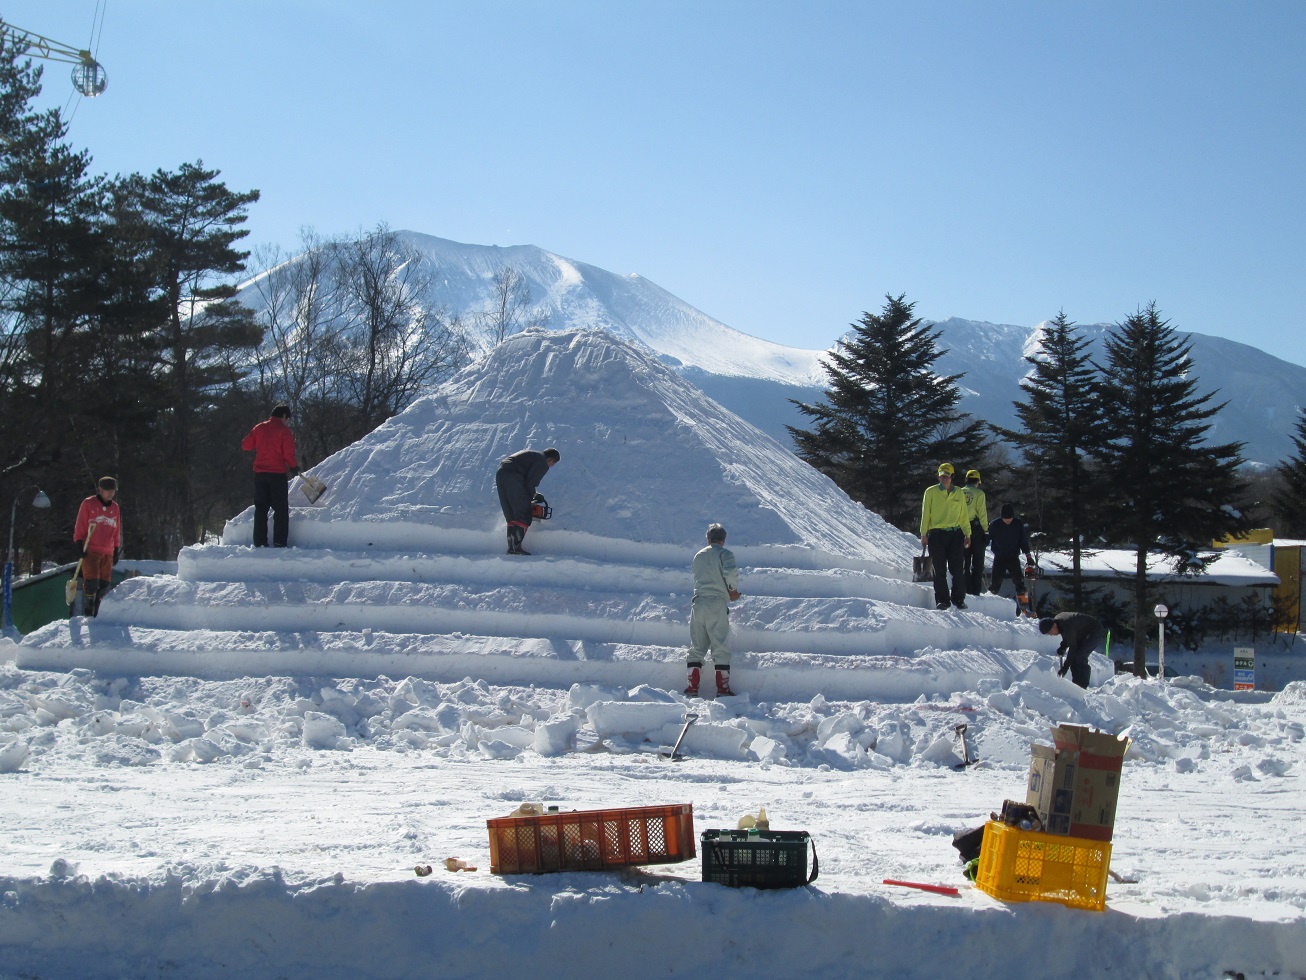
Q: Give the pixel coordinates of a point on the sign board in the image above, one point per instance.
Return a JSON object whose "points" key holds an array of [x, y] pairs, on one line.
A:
{"points": [[1244, 668]]}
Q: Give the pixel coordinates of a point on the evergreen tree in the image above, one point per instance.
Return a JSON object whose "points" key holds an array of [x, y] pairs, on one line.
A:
{"points": [[888, 419], [1288, 499], [1166, 489], [51, 273], [194, 222], [1061, 425]]}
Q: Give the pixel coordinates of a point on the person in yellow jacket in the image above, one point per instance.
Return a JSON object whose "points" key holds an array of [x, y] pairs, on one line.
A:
{"points": [[945, 532], [977, 504]]}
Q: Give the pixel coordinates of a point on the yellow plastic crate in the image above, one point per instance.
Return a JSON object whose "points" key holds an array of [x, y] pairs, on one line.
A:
{"points": [[1027, 866]]}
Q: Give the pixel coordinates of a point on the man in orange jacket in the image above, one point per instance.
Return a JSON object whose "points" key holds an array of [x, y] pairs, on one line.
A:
{"points": [[273, 445], [98, 536]]}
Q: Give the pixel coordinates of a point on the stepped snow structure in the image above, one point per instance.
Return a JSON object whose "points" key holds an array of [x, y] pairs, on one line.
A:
{"points": [[400, 569]]}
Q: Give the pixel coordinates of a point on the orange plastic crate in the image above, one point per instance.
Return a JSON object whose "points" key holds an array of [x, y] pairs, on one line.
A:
{"points": [[1026, 866], [584, 840]]}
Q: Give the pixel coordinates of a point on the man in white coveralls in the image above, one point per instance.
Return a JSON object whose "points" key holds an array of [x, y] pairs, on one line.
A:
{"points": [[716, 583]]}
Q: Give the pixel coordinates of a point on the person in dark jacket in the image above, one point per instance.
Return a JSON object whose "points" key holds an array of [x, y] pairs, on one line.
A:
{"points": [[1080, 634], [273, 445], [516, 480], [1008, 540]]}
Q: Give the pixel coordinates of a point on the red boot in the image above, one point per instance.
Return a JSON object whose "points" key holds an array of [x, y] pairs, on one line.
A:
{"points": [[695, 671], [723, 683]]}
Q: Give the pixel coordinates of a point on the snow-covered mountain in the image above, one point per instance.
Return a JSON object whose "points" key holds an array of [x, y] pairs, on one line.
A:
{"points": [[757, 379], [575, 294], [1263, 393]]}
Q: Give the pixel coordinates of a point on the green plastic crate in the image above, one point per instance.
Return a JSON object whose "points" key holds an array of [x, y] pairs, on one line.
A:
{"points": [[758, 858]]}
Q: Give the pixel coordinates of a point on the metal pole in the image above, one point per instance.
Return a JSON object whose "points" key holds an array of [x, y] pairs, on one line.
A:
{"points": [[1160, 655], [1161, 611], [9, 568]]}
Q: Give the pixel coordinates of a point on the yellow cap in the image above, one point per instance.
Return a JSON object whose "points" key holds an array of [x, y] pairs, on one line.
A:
{"points": [[972, 474], [945, 468]]}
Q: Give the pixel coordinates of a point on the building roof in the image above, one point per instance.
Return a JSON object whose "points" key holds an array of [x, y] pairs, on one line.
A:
{"points": [[1230, 567]]}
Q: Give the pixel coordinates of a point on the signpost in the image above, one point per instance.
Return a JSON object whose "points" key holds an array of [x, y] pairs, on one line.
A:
{"points": [[1244, 668]]}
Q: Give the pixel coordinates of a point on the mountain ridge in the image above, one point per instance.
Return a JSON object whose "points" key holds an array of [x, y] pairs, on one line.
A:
{"points": [[760, 380]]}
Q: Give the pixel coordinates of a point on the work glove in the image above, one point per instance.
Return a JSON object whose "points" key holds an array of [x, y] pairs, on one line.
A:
{"points": [[80, 544], [293, 472], [1065, 667], [117, 553]]}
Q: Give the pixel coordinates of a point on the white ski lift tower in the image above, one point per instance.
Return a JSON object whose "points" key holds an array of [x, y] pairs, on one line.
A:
{"points": [[88, 75]]}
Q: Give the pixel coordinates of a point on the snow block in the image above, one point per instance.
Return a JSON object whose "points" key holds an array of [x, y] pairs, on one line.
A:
{"points": [[637, 718]]}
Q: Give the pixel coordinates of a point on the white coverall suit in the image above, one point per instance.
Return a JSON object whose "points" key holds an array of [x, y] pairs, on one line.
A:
{"points": [[709, 618]]}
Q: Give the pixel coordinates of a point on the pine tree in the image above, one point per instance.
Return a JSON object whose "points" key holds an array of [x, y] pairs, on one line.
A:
{"points": [[888, 419], [1061, 425], [1287, 499], [194, 222], [51, 258], [1166, 489]]}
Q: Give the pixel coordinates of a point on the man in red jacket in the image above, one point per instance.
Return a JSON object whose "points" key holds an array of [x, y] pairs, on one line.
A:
{"points": [[98, 536], [273, 445]]}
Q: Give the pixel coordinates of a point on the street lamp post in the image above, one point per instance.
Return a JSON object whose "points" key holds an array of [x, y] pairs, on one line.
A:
{"points": [[1161, 612], [40, 501]]}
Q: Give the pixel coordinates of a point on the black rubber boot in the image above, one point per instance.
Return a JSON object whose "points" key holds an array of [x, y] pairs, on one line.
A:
{"points": [[515, 535]]}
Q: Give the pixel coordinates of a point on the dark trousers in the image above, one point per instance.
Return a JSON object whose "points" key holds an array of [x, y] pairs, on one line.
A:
{"points": [[514, 498], [974, 559], [1003, 566], [947, 553], [1077, 658], [271, 492]]}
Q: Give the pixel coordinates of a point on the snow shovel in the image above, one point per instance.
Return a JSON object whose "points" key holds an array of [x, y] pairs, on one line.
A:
{"points": [[689, 720], [965, 752], [70, 589], [313, 487], [922, 569]]}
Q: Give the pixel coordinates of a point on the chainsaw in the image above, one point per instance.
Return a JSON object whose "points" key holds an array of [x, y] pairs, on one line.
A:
{"points": [[540, 508]]}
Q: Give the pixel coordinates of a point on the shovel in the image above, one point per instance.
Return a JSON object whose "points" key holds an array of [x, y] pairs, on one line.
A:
{"points": [[922, 568], [70, 589], [689, 720], [313, 487], [965, 752]]}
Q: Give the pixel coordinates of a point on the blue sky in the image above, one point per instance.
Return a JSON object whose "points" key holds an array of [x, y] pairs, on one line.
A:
{"points": [[780, 165]]}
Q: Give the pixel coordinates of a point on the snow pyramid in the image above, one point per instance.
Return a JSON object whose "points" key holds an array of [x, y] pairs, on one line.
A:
{"points": [[647, 460], [400, 567]]}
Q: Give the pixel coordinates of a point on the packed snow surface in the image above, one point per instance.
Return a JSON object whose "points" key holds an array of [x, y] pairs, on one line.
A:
{"points": [[236, 769]]}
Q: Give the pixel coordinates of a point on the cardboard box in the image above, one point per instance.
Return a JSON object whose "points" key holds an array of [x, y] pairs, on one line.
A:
{"points": [[1075, 783]]}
